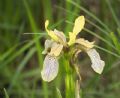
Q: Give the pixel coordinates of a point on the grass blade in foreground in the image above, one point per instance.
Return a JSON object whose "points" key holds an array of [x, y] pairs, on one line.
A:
{"points": [[38, 46], [6, 94]]}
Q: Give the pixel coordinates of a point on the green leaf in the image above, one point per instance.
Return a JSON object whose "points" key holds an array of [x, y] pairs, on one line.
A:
{"points": [[59, 93], [115, 41], [6, 94]]}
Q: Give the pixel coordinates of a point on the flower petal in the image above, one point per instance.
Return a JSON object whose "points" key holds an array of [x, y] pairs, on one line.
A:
{"points": [[97, 63], [50, 32], [56, 49], [48, 44], [50, 68], [79, 24], [72, 38], [61, 35], [56, 35], [87, 45]]}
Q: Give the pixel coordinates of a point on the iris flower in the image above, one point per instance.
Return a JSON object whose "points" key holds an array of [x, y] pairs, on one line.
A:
{"points": [[54, 47]]}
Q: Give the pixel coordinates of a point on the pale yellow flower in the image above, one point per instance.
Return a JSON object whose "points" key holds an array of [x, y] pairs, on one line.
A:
{"points": [[54, 47]]}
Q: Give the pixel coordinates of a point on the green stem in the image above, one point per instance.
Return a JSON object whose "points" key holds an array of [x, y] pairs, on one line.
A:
{"points": [[69, 81]]}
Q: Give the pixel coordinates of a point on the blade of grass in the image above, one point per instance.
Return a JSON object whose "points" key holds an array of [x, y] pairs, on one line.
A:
{"points": [[115, 41], [47, 8], [87, 20], [6, 94], [110, 52], [90, 14], [38, 46], [19, 52], [34, 88], [115, 85], [30, 73], [21, 66], [118, 30], [113, 13], [8, 26], [59, 93], [7, 53], [101, 38], [34, 29], [69, 16]]}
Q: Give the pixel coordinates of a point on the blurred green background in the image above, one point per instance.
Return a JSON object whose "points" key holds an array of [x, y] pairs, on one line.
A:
{"points": [[20, 54]]}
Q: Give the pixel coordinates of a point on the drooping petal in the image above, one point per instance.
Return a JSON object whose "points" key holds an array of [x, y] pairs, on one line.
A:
{"points": [[79, 24], [50, 32], [85, 43], [56, 49], [50, 68], [72, 38], [97, 63], [52, 48], [48, 44]]}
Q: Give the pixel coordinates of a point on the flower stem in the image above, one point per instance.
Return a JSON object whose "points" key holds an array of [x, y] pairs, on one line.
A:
{"points": [[69, 81]]}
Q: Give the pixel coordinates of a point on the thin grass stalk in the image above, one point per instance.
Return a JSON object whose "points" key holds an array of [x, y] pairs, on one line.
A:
{"points": [[38, 46], [90, 14], [87, 20], [113, 13]]}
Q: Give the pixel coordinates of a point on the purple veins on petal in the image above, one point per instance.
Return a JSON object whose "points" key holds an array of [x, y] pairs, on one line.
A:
{"points": [[97, 63], [50, 68]]}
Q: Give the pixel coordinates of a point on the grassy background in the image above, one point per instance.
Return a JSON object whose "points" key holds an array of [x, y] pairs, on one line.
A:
{"points": [[20, 54]]}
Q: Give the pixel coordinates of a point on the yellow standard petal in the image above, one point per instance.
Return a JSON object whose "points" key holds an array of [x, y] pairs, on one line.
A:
{"points": [[72, 38], [85, 43], [50, 32], [97, 63], [50, 68], [79, 24]]}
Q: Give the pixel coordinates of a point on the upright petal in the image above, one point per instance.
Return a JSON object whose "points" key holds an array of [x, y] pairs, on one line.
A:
{"points": [[50, 32], [72, 38], [46, 25], [50, 68], [79, 24], [97, 63], [56, 35]]}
